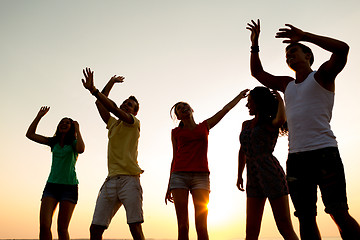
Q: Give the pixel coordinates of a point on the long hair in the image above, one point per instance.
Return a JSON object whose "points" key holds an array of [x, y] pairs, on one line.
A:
{"points": [[266, 106], [69, 137], [174, 116]]}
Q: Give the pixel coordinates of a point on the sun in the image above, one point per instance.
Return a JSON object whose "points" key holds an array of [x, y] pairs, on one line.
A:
{"points": [[225, 205]]}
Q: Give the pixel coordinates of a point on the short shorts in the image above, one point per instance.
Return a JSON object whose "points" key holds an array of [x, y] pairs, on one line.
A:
{"points": [[115, 192], [306, 171], [190, 180], [61, 192]]}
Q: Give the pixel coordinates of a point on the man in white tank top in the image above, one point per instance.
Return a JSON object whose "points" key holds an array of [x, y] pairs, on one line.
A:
{"points": [[313, 158]]}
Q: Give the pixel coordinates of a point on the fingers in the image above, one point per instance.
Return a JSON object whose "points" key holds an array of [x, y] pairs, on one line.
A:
{"points": [[44, 109], [87, 72], [252, 25]]}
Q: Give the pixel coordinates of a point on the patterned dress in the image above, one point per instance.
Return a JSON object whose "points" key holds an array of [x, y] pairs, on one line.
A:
{"points": [[265, 176]]}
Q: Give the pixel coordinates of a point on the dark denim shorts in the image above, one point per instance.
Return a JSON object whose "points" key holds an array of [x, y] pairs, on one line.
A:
{"points": [[190, 180], [61, 192], [306, 171]]}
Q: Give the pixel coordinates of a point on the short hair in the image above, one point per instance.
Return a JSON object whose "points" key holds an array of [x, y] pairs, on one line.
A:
{"points": [[304, 48], [136, 109]]}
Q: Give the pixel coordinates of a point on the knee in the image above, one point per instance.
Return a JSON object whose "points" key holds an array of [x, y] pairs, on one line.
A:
{"points": [[136, 231], [45, 226], [136, 227], [183, 227]]}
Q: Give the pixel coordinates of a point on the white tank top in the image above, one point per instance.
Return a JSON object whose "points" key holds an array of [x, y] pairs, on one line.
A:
{"points": [[309, 110]]}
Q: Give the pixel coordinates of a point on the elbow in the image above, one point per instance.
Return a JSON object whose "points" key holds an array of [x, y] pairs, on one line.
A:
{"points": [[29, 135], [344, 49], [347, 48]]}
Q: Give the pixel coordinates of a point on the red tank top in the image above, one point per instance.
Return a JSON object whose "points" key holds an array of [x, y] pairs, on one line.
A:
{"points": [[191, 149]]}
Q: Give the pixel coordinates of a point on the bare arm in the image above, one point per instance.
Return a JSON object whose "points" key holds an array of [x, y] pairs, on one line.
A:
{"points": [[257, 71], [31, 132], [241, 167], [328, 71], [219, 115], [103, 99], [80, 145], [168, 195], [104, 113], [280, 118]]}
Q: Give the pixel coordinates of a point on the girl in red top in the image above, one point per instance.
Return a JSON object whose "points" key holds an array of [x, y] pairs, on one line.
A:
{"points": [[189, 167]]}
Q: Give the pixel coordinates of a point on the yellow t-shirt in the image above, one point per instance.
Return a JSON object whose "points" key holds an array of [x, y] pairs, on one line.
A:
{"points": [[122, 147]]}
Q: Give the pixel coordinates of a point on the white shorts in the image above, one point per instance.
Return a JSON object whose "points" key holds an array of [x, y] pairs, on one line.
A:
{"points": [[116, 191]]}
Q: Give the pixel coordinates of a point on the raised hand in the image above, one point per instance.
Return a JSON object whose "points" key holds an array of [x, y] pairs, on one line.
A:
{"points": [[292, 33], [276, 94], [244, 93], [117, 79], [89, 79], [43, 110], [76, 125], [255, 32]]}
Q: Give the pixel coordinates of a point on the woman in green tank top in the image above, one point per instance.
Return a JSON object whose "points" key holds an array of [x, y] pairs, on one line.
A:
{"points": [[62, 185]]}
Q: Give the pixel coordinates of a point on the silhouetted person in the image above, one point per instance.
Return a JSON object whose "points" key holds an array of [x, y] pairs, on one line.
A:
{"points": [[265, 176], [189, 167], [122, 185], [313, 158], [62, 184]]}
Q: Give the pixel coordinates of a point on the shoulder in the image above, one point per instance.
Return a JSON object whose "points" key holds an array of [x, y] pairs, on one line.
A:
{"points": [[246, 123], [136, 121], [205, 125]]}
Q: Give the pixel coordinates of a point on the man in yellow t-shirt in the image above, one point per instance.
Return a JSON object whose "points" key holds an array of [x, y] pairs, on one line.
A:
{"points": [[122, 186]]}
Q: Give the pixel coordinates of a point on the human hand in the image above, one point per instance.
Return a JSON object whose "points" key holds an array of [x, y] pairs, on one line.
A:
{"points": [[255, 32], [76, 125], [169, 197], [43, 110], [89, 79], [277, 95], [240, 183], [244, 93], [292, 33], [117, 79]]}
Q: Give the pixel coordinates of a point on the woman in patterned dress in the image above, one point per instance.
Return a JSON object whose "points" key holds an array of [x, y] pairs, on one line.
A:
{"points": [[265, 176]]}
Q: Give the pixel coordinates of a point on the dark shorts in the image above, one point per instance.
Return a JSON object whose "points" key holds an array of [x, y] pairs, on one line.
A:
{"points": [[190, 180], [306, 171], [61, 192]]}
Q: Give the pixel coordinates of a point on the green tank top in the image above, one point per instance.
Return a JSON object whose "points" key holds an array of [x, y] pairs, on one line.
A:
{"points": [[63, 165]]}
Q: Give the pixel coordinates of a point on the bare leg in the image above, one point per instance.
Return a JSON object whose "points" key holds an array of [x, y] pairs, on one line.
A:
{"points": [[281, 211], [181, 197], [66, 210], [136, 231], [348, 227], [96, 232], [254, 212], [47, 208], [201, 200]]}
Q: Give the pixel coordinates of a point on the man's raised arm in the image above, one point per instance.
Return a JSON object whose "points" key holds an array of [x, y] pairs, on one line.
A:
{"points": [[257, 71]]}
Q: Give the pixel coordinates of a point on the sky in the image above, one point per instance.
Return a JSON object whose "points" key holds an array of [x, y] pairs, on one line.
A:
{"points": [[168, 51]]}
